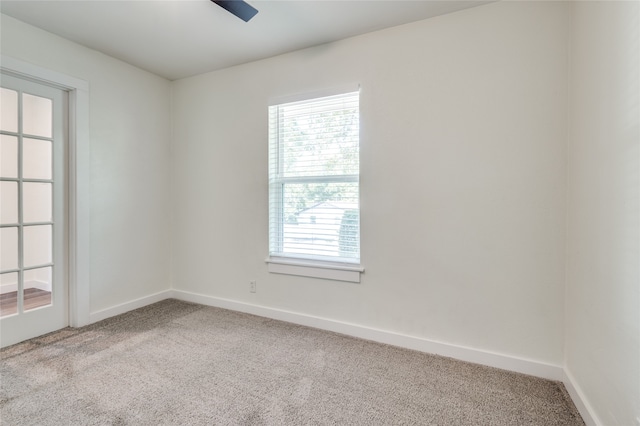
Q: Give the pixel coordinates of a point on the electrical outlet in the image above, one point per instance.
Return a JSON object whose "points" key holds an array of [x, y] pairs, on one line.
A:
{"points": [[252, 286]]}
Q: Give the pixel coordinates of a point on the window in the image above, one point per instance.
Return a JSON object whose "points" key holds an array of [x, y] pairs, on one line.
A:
{"points": [[314, 166]]}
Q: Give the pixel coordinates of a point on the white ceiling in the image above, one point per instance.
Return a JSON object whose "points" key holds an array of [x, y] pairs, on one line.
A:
{"points": [[181, 38]]}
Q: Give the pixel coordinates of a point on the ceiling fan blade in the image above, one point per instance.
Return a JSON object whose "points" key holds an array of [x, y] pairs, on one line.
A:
{"points": [[241, 9]]}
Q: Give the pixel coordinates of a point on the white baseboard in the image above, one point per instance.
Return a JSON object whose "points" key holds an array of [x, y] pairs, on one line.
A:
{"points": [[129, 306], [41, 285], [8, 288], [579, 399], [505, 362]]}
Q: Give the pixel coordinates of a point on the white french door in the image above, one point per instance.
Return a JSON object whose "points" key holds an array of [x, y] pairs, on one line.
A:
{"points": [[33, 209]]}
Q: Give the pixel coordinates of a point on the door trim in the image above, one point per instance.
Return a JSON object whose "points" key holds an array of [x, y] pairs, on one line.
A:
{"points": [[79, 162]]}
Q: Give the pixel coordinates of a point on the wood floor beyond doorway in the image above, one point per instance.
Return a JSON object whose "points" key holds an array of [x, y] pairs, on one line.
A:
{"points": [[33, 298]]}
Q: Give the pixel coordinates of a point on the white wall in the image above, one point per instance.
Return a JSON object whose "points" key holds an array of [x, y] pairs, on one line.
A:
{"points": [[463, 151], [603, 285], [130, 152]]}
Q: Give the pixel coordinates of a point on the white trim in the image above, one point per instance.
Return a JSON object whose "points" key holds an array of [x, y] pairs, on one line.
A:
{"points": [[40, 285], [322, 93], [79, 209], [130, 306], [8, 288], [315, 264], [315, 269], [79, 179], [506, 362], [577, 395], [39, 74]]}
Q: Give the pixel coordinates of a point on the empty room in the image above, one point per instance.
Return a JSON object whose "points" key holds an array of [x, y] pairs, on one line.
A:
{"points": [[320, 212]]}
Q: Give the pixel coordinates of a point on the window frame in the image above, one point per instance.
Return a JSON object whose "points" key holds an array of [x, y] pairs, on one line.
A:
{"points": [[315, 266]]}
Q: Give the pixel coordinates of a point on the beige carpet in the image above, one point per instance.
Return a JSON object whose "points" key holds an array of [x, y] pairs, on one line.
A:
{"points": [[176, 363]]}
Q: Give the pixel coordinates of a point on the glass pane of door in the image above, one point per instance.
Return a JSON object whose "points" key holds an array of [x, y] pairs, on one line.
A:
{"points": [[8, 203], [37, 201], [9, 294], [36, 159], [8, 156], [9, 248], [37, 242], [37, 116], [37, 288], [8, 110]]}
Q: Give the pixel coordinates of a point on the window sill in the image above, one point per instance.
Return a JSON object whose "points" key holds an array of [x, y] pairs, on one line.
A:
{"points": [[315, 269]]}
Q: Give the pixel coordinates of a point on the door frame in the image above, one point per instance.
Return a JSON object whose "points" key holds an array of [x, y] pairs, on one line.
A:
{"points": [[79, 180]]}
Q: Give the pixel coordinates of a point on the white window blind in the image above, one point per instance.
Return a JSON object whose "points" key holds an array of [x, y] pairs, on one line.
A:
{"points": [[314, 171]]}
